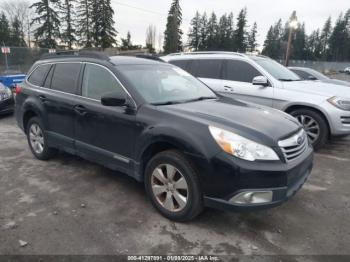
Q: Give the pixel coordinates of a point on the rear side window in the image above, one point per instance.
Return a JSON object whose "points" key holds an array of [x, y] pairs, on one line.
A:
{"points": [[180, 63], [98, 81], [240, 71], [207, 68], [65, 77], [39, 75]]}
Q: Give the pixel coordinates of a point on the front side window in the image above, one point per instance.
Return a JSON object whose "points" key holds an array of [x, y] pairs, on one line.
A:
{"points": [[207, 68], [97, 81], [240, 71], [39, 74], [65, 77], [159, 84]]}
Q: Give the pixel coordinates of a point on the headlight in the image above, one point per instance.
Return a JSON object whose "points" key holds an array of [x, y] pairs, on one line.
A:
{"points": [[241, 147], [341, 103], [5, 94]]}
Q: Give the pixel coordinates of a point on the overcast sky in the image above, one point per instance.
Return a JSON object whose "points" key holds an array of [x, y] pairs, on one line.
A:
{"points": [[136, 15], [264, 12]]}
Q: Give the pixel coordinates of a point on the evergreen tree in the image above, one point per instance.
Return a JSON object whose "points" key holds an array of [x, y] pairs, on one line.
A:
{"points": [[269, 43], [84, 22], [48, 23], [194, 35], [240, 34], [203, 32], [173, 32], [299, 44], [212, 33], [229, 39], [252, 42], [313, 46], [126, 42], [104, 33], [4, 30], [16, 34], [339, 39], [325, 36], [68, 34]]}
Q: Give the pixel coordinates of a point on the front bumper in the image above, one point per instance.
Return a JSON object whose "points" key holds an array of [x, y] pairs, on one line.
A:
{"points": [[339, 120], [282, 179], [7, 106]]}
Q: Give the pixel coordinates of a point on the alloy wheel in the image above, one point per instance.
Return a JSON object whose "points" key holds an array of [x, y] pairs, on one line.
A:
{"points": [[311, 127], [36, 138], [169, 187]]}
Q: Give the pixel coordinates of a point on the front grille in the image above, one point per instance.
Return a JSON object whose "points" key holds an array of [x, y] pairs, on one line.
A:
{"points": [[345, 120], [294, 146]]}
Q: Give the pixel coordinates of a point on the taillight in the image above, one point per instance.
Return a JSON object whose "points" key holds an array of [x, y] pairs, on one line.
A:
{"points": [[18, 89]]}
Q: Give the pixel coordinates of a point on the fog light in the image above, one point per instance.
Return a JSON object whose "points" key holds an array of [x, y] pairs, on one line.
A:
{"points": [[252, 197]]}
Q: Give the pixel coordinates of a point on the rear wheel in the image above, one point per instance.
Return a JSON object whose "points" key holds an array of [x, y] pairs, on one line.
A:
{"points": [[315, 126], [37, 140], [172, 186]]}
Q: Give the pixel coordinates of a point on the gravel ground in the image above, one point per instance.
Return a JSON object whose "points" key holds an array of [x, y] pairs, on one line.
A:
{"points": [[70, 206]]}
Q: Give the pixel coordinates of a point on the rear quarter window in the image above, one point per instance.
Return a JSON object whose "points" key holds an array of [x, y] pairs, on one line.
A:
{"points": [[65, 77], [38, 76]]}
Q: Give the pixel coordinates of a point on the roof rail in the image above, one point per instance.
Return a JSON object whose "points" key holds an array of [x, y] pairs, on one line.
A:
{"points": [[76, 53], [150, 57], [208, 53]]}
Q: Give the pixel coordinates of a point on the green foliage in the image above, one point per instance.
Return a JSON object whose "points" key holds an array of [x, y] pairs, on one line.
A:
{"points": [[84, 23], [240, 34], [68, 34], [173, 32], [48, 22], [4, 30], [104, 33]]}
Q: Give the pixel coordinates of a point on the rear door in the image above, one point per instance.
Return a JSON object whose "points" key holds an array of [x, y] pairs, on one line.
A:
{"points": [[104, 134], [63, 81], [237, 82], [209, 71]]}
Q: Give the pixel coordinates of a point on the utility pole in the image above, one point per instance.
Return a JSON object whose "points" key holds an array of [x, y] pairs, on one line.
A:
{"points": [[293, 25]]}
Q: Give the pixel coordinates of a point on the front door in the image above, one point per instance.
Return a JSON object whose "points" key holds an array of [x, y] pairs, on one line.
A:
{"points": [[103, 134], [238, 76]]}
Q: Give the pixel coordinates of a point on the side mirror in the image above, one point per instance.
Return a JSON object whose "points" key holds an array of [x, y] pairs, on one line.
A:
{"points": [[260, 81], [113, 99]]}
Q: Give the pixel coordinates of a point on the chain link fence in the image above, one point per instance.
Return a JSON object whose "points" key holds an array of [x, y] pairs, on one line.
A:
{"points": [[20, 59]]}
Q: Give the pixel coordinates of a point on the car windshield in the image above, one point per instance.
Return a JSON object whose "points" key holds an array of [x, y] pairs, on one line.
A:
{"points": [[165, 84], [277, 70], [318, 75]]}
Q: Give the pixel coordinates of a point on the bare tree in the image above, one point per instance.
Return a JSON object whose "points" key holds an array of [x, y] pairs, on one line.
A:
{"points": [[19, 10], [151, 38]]}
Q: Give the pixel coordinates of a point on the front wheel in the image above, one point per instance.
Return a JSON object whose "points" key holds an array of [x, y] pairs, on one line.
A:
{"points": [[315, 126], [172, 185]]}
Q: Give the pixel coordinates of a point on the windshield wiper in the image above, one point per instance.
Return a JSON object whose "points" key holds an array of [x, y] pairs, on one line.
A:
{"points": [[183, 101], [166, 103], [201, 98]]}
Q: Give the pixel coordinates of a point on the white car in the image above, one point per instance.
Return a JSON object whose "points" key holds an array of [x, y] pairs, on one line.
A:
{"points": [[323, 109], [347, 70]]}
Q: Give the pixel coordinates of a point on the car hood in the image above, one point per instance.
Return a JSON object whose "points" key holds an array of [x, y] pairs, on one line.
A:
{"points": [[319, 88], [259, 123], [337, 82]]}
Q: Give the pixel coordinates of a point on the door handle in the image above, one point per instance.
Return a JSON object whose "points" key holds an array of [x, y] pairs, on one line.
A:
{"points": [[79, 109], [229, 89], [42, 98]]}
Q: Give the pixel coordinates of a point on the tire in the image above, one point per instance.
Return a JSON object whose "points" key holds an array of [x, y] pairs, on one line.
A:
{"points": [[35, 125], [323, 134], [178, 211]]}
